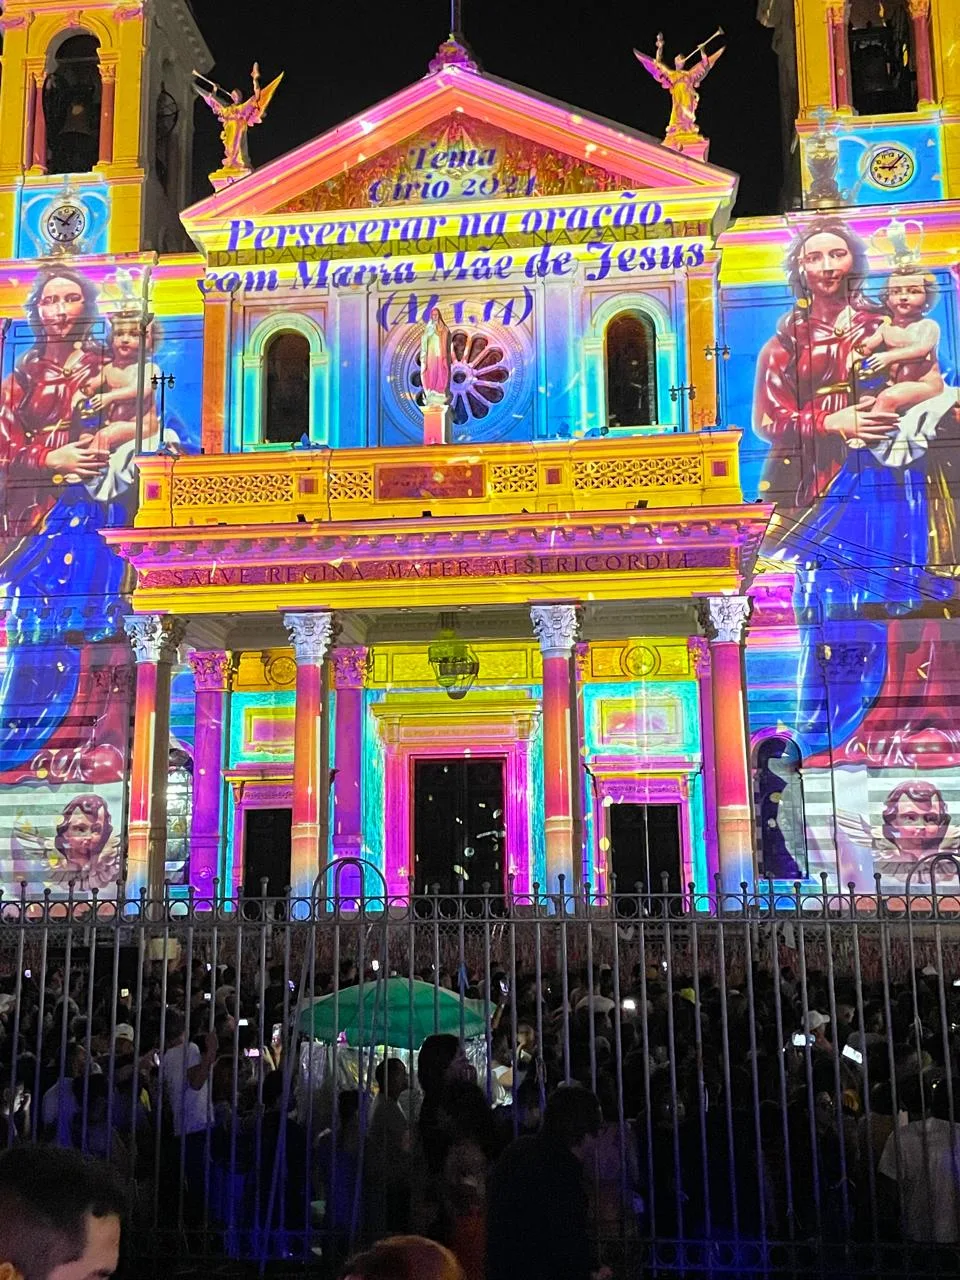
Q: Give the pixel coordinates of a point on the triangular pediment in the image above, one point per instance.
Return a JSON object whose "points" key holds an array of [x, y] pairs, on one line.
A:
{"points": [[459, 135]]}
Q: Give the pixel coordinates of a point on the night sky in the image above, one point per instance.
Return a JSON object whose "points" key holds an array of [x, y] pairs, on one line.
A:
{"points": [[340, 57]]}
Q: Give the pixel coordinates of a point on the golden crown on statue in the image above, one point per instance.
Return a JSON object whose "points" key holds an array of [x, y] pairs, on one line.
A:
{"points": [[123, 295], [900, 242]]}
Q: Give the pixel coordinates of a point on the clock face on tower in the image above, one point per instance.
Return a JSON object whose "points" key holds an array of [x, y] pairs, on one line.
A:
{"points": [[891, 167], [65, 222]]}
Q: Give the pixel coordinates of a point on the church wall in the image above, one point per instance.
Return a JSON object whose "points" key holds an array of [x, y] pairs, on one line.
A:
{"points": [[67, 671], [854, 651]]}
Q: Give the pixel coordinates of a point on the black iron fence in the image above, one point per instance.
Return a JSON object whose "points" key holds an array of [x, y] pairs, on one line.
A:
{"points": [[777, 1073]]}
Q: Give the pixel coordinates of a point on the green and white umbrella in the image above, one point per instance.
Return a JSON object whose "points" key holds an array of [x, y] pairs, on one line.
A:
{"points": [[387, 1015]]}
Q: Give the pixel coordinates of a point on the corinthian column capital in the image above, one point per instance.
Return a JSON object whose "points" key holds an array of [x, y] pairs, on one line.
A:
{"points": [[311, 635], [556, 626], [155, 637], [212, 670], [350, 666], [724, 618]]}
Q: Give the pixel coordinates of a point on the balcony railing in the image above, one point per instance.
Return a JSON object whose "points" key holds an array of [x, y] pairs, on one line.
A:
{"points": [[693, 470]]}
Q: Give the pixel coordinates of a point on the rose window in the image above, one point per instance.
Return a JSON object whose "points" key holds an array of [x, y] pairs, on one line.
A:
{"points": [[478, 375]]}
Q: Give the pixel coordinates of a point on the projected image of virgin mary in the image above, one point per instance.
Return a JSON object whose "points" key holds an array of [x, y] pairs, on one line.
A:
{"points": [[60, 582], [859, 505]]}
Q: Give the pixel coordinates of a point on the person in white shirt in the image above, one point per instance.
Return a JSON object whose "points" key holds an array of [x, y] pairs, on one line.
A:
{"points": [[928, 1172], [185, 1075]]}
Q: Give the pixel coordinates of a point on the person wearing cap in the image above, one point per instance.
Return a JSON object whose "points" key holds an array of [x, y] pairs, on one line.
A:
{"points": [[814, 1024]]}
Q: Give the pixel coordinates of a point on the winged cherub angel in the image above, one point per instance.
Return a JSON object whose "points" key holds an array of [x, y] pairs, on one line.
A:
{"points": [[915, 824], [84, 851]]}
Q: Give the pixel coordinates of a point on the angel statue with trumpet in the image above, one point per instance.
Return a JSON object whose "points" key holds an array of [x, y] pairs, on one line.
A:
{"points": [[236, 116], [682, 84]]}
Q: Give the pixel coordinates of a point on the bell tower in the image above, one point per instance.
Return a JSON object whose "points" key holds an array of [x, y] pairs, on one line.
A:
{"points": [[96, 115], [872, 90]]}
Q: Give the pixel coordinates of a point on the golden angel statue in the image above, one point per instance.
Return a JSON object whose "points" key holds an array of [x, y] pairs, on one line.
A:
{"points": [[236, 116], [682, 83]]}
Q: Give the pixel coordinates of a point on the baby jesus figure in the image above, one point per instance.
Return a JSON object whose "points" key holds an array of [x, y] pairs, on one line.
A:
{"points": [[111, 397], [904, 348]]}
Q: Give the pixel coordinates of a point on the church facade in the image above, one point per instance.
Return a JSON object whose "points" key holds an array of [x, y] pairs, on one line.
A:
{"points": [[465, 497]]}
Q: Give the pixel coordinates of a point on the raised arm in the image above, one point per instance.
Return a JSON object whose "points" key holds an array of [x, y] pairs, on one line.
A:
{"points": [[707, 60], [212, 102]]}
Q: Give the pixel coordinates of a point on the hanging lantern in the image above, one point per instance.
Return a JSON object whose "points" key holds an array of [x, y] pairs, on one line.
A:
{"points": [[455, 665]]}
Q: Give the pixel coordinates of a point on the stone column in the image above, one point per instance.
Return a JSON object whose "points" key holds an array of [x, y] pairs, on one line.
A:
{"points": [[919, 11], [155, 639], [212, 677], [556, 627], [29, 121], [700, 660], [349, 670], [108, 81], [838, 12], [311, 634], [724, 619], [39, 125]]}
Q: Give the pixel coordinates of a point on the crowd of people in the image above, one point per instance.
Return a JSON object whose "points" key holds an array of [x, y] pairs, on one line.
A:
{"points": [[607, 1112]]}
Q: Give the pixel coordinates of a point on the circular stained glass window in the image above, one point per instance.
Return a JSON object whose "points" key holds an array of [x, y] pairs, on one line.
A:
{"points": [[479, 373]]}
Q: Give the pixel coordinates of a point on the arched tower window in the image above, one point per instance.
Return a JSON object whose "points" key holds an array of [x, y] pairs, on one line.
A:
{"points": [[882, 70], [779, 809], [72, 96], [167, 114], [631, 365], [286, 416]]}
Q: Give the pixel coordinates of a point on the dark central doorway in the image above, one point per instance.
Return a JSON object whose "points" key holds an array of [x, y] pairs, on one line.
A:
{"points": [[266, 851], [645, 843], [458, 826]]}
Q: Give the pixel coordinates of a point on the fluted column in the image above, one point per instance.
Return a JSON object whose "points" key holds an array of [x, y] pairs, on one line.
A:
{"points": [[724, 619], [349, 671], [212, 677], [155, 639], [556, 627], [919, 11], [310, 634]]}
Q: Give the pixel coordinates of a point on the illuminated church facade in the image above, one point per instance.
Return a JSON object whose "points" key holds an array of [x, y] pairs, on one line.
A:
{"points": [[465, 496]]}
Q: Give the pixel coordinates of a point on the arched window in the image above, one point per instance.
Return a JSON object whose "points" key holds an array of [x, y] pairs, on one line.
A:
{"points": [[631, 363], [779, 809], [882, 72], [166, 156], [71, 106], [286, 415]]}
